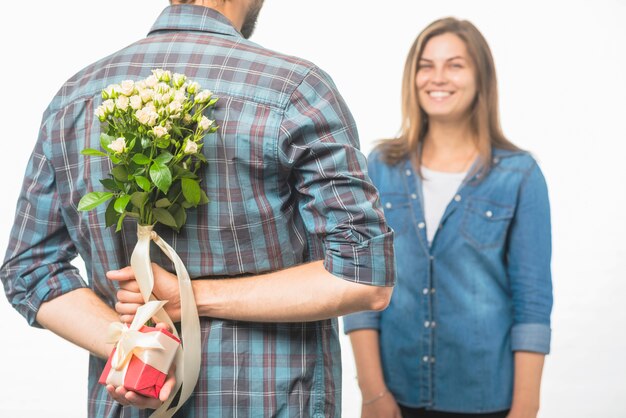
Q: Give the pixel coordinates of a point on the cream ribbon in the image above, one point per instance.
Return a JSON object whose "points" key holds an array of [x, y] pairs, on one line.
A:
{"points": [[153, 348], [188, 354]]}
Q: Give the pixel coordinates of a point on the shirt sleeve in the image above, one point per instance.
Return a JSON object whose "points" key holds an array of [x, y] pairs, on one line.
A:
{"points": [[318, 147], [37, 264], [529, 254]]}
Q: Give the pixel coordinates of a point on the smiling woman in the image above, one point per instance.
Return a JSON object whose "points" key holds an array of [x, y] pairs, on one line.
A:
{"points": [[474, 291]]}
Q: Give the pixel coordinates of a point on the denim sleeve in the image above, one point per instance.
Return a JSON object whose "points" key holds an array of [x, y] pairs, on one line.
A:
{"points": [[37, 264], [361, 320], [529, 254], [318, 147]]}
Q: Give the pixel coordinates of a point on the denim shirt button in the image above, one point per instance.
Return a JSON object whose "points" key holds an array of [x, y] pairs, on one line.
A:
{"points": [[489, 214], [408, 172], [426, 324], [432, 359], [496, 160], [413, 196], [457, 198], [432, 257], [425, 359], [432, 290], [388, 205], [421, 225], [425, 291], [433, 324]]}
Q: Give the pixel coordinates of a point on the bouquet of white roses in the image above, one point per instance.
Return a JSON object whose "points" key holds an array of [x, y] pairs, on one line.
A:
{"points": [[152, 134]]}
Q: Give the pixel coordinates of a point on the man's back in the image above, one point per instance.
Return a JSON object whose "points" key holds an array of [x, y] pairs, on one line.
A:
{"points": [[282, 130]]}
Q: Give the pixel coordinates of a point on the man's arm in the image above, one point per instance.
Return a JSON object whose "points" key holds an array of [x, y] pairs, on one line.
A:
{"points": [[303, 293]]}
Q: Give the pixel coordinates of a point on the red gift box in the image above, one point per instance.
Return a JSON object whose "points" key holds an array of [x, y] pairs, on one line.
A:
{"points": [[139, 376]]}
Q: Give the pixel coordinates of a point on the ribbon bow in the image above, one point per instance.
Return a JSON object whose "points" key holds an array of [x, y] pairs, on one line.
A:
{"points": [[129, 340]]}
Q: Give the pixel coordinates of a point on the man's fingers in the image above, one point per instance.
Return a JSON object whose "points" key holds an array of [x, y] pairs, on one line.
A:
{"points": [[127, 296], [126, 308], [121, 275], [169, 384], [127, 319], [142, 402]]}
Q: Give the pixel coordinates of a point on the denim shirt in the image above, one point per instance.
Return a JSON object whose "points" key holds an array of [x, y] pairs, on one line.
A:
{"points": [[481, 291]]}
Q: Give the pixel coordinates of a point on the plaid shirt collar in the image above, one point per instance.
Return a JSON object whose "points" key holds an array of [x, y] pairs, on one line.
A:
{"points": [[186, 17]]}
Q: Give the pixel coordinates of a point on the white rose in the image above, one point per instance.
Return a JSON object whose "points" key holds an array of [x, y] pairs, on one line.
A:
{"points": [[109, 105], [101, 113], [146, 95], [187, 119], [122, 102], [119, 145], [162, 75], [153, 118], [140, 85], [127, 87], [162, 88], [159, 131], [190, 147], [205, 123], [143, 116], [136, 102], [175, 107], [112, 91], [203, 96], [179, 79], [193, 88], [152, 81], [180, 95]]}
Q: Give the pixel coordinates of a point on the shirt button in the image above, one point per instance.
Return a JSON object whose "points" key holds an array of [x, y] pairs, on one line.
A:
{"points": [[425, 291], [426, 324], [489, 214], [432, 257], [408, 172], [432, 359], [432, 290], [496, 160], [413, 196], [457, 198], [425, 359], [388, 205], [433, 324], [421, 225]]}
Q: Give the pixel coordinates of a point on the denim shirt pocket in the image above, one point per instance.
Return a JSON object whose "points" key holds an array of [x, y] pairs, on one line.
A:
{"points": [[397, 211], [485, 222]]}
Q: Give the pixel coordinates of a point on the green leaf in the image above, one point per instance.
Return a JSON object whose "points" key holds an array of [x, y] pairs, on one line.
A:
{"points": [[186, 205], [191, 190], [180, 216], [143, 182], [162, 142], [93, 152], [161, 176], [141, 159], [121, 203], [110, 216], [110, 184], [163, 203], [204, 199], [114, 159], [163, 216], [93, 199], [145, 142], [120, 173], [105, 141], [139, 199], [163, 158], [181, 172], [120, 221], [201, 157]]}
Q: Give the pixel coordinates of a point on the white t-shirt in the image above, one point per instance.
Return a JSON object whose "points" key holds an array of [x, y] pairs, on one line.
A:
{"points": [[438, 189]]}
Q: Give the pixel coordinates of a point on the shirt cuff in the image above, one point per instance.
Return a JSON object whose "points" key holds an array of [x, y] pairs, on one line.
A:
{"points": [[361, 320], [531, 337], [44, 291], [368, 262]]}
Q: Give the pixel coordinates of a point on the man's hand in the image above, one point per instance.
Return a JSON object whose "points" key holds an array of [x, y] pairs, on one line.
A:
{"points": [[127, 397], [385, 407], [129, 298]]}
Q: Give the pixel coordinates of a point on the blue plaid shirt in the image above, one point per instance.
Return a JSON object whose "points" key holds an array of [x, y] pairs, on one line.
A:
{"points": [[287, 185]]}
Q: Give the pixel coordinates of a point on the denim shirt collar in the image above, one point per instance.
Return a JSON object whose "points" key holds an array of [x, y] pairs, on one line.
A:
{"points": [[187, 17]]}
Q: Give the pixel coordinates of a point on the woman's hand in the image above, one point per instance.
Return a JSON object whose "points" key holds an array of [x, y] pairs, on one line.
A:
{"points": [[383, 407]]}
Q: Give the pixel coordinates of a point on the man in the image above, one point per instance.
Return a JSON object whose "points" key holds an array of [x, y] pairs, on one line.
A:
{"points": [[287, 187]]}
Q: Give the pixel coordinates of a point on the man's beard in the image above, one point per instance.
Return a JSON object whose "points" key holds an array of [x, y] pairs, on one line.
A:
{"points": [[249, 22]]}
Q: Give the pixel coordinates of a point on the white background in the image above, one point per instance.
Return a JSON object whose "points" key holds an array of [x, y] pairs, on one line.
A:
{"points": [[562, 78]]}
